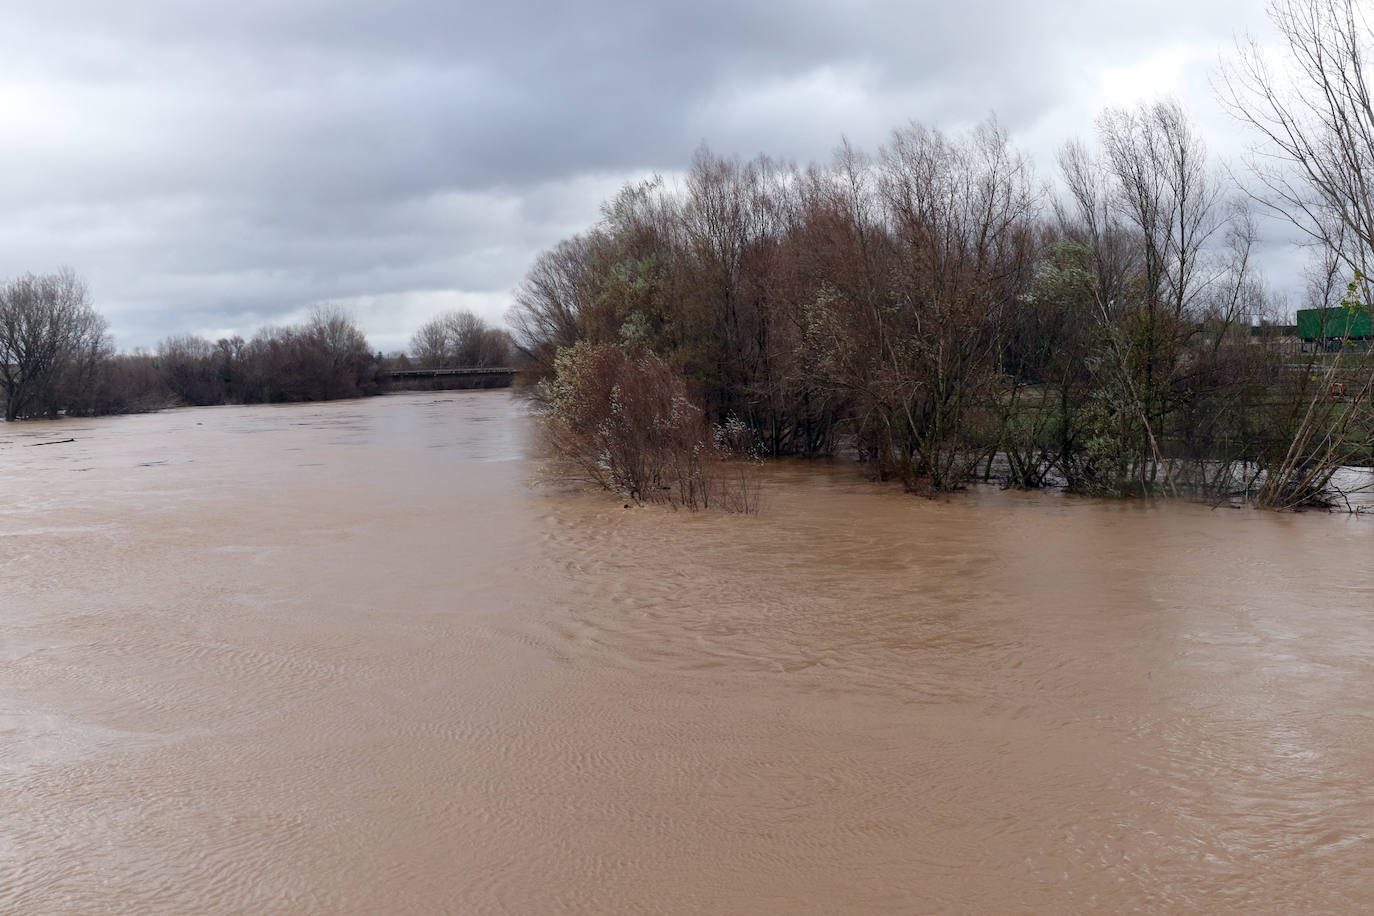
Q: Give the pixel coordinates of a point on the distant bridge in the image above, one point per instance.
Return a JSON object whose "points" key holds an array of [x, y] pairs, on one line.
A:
{"points": [[434, 379]]}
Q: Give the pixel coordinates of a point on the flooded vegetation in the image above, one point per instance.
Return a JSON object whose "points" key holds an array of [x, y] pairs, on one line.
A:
{"points": [[932, 308], [346, 658]]}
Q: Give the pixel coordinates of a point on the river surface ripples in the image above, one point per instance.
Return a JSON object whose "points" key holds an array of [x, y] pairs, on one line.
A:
{"points": [[350, 658]]}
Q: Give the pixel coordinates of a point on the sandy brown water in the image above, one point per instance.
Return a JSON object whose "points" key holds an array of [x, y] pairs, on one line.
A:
{"points": [[343, 658]]}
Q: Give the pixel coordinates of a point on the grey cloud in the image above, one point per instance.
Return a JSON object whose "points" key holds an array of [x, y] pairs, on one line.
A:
{"points": [[220, 164]]}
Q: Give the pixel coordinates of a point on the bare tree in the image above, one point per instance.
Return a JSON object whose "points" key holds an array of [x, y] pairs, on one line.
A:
{"points": [[1089, 218], [556, 293], [50, 341], [430, 344], [459, 339], [1314, 110], [189, 369], [1148, 210], [1165, 188], [352, 367]]}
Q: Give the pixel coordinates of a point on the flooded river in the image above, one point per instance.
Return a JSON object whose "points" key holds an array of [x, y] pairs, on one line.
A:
{"points": [[344, 658]]}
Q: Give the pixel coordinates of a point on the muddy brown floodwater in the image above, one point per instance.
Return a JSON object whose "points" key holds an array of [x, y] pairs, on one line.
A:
{"points": [[343, 659]]}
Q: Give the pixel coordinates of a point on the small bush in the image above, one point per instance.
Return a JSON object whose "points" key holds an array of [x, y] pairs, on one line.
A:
{"points": [[624, 421]]}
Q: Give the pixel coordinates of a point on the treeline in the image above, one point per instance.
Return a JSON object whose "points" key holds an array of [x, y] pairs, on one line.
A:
{"points": [[934, 310], [325, 358], [61, 361], [57, 358]]}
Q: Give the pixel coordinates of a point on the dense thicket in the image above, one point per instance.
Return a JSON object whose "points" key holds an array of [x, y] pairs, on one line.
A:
{"points": [[933, 309]]}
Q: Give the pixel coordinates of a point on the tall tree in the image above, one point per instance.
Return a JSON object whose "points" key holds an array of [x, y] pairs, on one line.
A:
{"points": [[50, 340], [1314, 109]]}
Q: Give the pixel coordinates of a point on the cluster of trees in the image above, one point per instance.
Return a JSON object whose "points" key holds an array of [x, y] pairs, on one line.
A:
{"points": [[325, 358], [935, 309], [459, 340], [926, 307], [56, 357]]}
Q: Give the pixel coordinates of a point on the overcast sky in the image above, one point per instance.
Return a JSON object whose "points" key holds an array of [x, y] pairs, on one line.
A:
{"points": [[211, 168]]}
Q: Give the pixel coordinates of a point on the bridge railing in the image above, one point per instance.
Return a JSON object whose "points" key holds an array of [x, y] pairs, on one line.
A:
{"points": [[437, 373]]}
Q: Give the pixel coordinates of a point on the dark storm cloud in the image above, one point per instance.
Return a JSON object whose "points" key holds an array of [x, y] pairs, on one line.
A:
{"points": [[211, 167]]}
